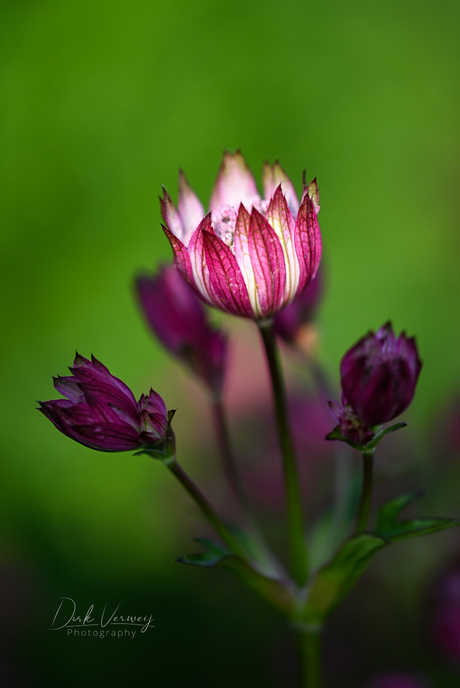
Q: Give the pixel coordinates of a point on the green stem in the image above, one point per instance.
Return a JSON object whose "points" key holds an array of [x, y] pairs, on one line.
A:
{"points": [[297, 545], [308, 642], [366, 494], [259, 549], [206, 508]]}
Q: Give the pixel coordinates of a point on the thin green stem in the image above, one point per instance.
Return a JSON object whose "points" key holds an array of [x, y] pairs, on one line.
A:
{"points": [[258, 549], [206, 508], [297, 544], [366, 494], [309, 647]]}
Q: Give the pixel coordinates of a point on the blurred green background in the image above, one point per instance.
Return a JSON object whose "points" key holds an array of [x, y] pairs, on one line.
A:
{"points": [[101, 104]]}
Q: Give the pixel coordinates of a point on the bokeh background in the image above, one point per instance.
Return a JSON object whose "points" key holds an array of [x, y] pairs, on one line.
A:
{"points": [[101, 104]]}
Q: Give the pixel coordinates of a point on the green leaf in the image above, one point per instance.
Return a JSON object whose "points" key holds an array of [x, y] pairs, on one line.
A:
{"points": [[381, 434], [212, 547], [336, 434], [334, 580], [389, 528], [203, 559], [417, 527], [277, 592], [389, 512], [213, 555]]}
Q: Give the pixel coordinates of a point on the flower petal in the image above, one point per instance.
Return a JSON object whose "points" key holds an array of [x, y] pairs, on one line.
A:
{"points": [[235, 183], [226, 282], [154, 417], [272, 177], [199, 268], [68, 387], [96, 426], [171, 216], [243, 258], [313, 192], [408, 350], [95, 374], [99, 390], [267, 260], [307, 241], [153, 403], [181, 257], [105, 437], [190, 209], [280, 218]]}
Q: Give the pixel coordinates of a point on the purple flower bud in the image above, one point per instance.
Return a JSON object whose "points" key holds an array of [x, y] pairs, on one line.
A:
{"points": [[395, 681], [290, 322], [101, 412], [379, 375], [351, 427], [178, 318]]}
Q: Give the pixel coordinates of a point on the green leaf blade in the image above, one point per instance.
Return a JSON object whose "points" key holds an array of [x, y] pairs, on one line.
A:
{"points": [[417, 527], [388, 514]]}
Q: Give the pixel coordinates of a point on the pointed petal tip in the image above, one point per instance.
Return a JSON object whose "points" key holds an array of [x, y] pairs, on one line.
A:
{"points": [[79, 361]]}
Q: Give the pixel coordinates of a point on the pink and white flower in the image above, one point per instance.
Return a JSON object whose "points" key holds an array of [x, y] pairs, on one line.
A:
{"points": [[248, 256]]}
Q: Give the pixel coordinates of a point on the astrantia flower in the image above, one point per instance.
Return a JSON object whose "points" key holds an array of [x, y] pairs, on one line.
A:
{"points": [[178, 318], [248, 256], [100, 411], [379, 374]]}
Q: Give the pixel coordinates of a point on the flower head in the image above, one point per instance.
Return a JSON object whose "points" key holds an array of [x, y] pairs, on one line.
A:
{"points": [[379, 374], [179, 320], [248, 256], [100, 411]]}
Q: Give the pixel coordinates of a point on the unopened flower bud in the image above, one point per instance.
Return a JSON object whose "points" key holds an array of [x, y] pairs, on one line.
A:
{"points": [[100, 411], [379, 374]]}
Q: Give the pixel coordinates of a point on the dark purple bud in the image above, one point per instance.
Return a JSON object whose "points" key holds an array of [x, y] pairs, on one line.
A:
{"points": [[379, 375], [178, 319], [351, 427], [290, 322], [395, 681], [100, 411]]}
